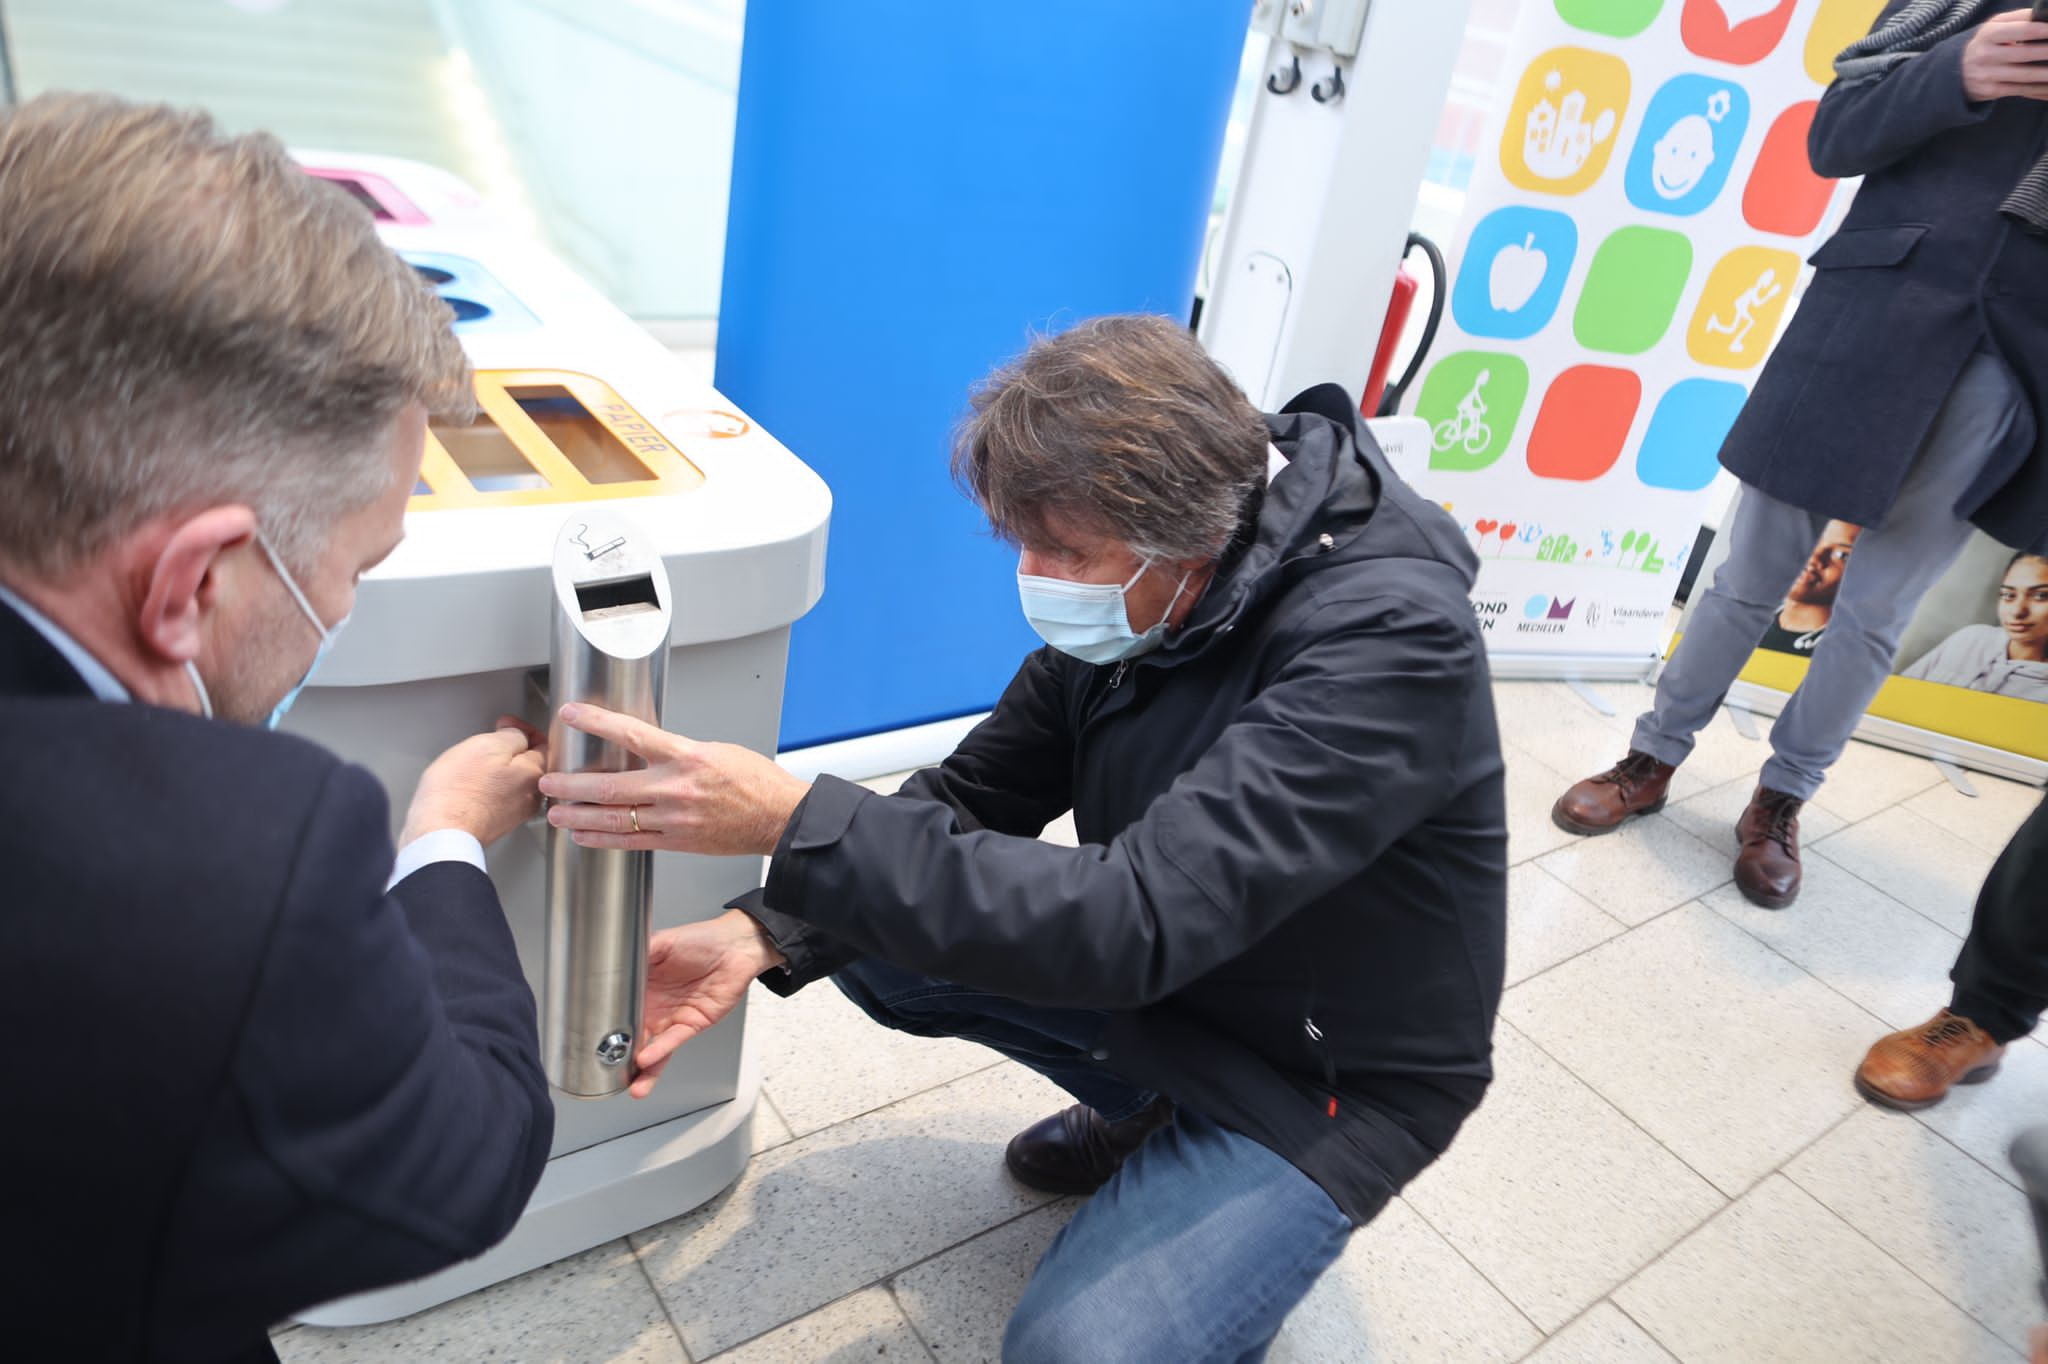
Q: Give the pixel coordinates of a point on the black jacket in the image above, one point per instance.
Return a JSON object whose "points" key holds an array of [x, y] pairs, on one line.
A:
{"points": [[1291, 812], [241, 1079], [1924, 271]]}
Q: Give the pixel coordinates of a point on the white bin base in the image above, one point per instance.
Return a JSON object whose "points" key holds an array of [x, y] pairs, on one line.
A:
{"points": [[587, 1198]]}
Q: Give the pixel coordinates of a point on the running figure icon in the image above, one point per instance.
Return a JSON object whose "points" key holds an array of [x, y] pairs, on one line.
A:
{"points": [[1738, 328]]}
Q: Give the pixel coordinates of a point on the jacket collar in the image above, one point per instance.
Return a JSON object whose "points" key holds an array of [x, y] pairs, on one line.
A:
{"points": [[30, 665], [1330, 487]]}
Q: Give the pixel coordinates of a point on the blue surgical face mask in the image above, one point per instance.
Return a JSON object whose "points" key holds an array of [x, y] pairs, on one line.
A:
{"points": [[327, 636], [1088, 620]]}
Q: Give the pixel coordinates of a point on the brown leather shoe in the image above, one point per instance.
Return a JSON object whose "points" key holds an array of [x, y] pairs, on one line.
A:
{"points": [[1075, 1152], [1767, 868], [1599, 805], [1917, 1067]]}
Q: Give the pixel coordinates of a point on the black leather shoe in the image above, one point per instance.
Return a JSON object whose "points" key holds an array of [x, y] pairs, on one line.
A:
{"points": [[1075, 1152]]}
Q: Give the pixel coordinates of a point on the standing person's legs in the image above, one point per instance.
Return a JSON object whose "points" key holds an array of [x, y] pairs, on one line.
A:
{"points": [[1891, 570], [1768, 544], [1195, 1252], [2001, 975]]}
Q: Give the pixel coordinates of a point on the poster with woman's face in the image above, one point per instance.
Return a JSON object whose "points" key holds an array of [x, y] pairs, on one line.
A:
{"points": [[1972, 662], [2000, 648]]}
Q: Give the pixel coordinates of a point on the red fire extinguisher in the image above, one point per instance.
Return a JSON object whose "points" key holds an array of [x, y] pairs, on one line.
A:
{"points": [[1382, 400]]}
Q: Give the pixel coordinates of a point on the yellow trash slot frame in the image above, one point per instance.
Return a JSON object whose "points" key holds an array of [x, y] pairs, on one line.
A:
{"points": [[546, 437]]}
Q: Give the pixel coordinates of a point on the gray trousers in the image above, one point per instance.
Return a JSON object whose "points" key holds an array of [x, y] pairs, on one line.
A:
{"points": [[1890, 569]]}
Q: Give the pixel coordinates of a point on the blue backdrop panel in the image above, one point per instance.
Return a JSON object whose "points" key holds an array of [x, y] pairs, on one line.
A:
{"points": [[915, 190]]}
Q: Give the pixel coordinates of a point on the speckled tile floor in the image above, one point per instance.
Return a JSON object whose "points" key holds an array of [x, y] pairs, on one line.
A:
{"points": [[1671, 1166]]}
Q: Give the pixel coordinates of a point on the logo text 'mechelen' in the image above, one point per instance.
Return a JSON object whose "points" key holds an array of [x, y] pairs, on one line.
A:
{"points": [[1546, 615]]}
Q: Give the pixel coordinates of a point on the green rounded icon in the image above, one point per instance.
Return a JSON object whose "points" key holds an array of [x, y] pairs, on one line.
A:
{"points": [[1615, 18], [1632, 290], [1472, 401]]}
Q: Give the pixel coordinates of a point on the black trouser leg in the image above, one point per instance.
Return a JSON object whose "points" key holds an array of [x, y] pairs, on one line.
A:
{"points": [[2001, 976]]}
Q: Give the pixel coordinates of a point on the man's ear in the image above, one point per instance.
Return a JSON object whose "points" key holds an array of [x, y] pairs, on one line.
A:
{"points": [[181, 586]]}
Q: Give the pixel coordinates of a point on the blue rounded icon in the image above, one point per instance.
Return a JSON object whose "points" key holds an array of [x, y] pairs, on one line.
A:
{"points": [[1687, 145], [1514, 272], [1536, 606], [1682, 448]]}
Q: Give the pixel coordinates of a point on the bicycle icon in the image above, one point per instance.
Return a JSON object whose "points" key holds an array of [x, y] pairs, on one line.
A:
{"points": [[1468, 427]]}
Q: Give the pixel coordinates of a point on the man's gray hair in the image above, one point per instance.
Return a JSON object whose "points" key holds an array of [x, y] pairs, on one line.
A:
{"points": [[187, 320], [1122, 426]]}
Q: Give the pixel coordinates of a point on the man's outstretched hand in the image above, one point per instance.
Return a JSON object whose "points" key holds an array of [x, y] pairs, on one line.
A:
{"points": [[696, 974], [718, 799]]}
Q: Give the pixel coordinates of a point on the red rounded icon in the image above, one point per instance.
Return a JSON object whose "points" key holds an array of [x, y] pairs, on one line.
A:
{"points": [[1784, 195], [1584, 422], [1740, 32]]}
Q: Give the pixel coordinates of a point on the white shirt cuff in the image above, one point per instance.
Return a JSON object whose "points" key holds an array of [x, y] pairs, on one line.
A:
{"points": [[442, 845]]}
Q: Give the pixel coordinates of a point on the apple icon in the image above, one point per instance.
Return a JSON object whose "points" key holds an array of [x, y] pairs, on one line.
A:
{"points": [[1516, 275]]}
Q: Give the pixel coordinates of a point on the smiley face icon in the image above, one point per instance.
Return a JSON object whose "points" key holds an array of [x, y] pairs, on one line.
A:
{"points": [[1688, 144], [1682, 157]]}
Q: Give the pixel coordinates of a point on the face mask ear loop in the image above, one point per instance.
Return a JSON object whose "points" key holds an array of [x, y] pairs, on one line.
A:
{"points": [[205, 701], [1176, 596], [291, 584]]}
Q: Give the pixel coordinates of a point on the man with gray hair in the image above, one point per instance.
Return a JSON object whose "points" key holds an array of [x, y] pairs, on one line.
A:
{"points": [[1269, 973], [258, 1062]]}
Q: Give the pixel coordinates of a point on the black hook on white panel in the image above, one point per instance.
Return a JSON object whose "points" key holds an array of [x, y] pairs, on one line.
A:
{"points": [[1293, 81]]}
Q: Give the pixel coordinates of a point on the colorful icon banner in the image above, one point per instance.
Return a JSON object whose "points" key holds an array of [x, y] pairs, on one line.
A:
{"points": [[1630, 252]]}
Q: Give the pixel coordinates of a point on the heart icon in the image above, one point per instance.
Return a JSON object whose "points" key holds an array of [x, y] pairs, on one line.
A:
{"points": [[1740, 12], [1507, 532], [1485, 528]]}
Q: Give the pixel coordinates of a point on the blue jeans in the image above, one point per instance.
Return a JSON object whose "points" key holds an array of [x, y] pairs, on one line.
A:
{"points": [[1195, 1251]]}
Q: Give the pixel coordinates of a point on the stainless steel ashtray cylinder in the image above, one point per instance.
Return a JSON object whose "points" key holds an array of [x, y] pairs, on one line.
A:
{"points": [[611, 646]]}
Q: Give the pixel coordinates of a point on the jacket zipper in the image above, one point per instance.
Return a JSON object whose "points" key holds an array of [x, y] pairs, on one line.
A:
{"points": [[1322, 1051], [1116, 679]]}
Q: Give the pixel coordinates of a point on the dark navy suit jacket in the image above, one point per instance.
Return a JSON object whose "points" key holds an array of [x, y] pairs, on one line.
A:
{"points": [[1924, 271], [240, 1079]]}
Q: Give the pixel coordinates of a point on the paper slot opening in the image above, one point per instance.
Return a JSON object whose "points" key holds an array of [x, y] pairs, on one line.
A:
{"points": [[583, 440], [487, 456]]}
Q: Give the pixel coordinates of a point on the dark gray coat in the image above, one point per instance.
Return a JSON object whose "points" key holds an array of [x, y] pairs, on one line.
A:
{"points": [[1924, 271]]}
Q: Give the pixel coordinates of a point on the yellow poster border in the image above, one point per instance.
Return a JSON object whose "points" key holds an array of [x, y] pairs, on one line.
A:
{"points": [[2008, 724]]}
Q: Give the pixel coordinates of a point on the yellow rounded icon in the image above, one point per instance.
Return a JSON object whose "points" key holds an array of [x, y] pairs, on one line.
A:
{"points": [[1565, 120], [1839, 23], [1739, 310]]}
